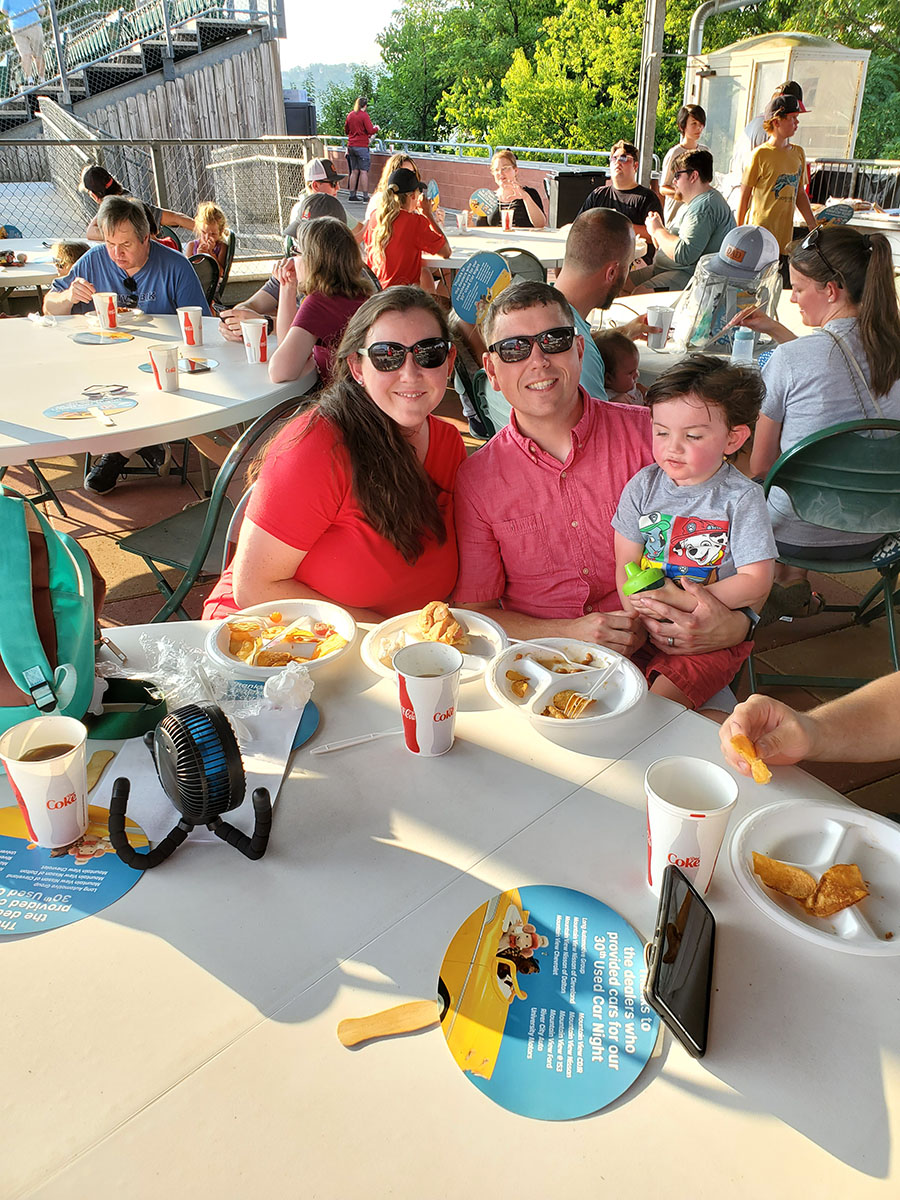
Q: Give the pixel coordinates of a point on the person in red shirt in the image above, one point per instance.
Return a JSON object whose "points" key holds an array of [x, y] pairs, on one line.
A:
{"points": [[353, 501], [359, 128], [402, 229]]}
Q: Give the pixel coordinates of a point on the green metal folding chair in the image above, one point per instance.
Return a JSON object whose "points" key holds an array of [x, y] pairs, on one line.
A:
{"points": [[193, 541], [851, 483]]}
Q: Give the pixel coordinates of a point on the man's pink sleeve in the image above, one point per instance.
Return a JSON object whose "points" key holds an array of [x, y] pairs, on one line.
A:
{"points": [[481, 574]]}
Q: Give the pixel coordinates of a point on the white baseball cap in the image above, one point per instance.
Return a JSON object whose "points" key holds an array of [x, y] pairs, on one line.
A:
{"points": [[746, 250]]}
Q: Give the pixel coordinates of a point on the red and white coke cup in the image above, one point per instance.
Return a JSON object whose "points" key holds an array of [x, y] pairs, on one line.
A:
{"points": [[51, 792], [256, 341], [689, 802], [506, 219], [164, 360], [428, 680], [191, 322], [106, 305]]}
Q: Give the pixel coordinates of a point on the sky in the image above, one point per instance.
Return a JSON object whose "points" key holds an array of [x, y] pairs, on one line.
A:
{"points": [[334, 31]]}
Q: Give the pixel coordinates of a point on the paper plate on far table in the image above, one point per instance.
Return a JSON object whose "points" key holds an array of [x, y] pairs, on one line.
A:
{"points": [[486, 638], [86, 338], [815, 836]]}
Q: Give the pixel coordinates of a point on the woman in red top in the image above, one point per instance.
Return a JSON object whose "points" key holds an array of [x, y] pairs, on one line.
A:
{"points": [[401, 230], [326, 274], [354, 499], [358, 128]]}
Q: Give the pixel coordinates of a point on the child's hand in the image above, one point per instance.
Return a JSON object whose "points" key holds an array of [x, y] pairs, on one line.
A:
{"points": [[670, 593]]}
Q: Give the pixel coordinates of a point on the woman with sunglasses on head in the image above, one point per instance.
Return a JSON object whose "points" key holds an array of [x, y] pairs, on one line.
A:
{"points": [[524, 202], [326, 270], [402, 229], [848, 369], [353, 498]]}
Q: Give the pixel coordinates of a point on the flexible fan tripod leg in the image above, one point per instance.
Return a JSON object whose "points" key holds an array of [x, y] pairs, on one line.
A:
{"points": [[119, 838], [253, 847]]}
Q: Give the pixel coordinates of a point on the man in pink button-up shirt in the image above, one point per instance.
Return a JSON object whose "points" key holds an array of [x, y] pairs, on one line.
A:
{"points": [[533, 506]]}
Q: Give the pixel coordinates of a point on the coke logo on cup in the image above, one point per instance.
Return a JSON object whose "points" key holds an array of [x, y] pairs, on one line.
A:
{"points": [[691, 863], [64, 803], [408, 713], [444, 716]]}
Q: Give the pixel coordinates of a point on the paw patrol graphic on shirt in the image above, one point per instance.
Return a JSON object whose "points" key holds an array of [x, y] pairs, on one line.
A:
{"points": [[684, 546]]}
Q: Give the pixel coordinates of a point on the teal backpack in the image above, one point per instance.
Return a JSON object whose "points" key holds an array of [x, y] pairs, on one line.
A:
{"points": [[50, 588]]}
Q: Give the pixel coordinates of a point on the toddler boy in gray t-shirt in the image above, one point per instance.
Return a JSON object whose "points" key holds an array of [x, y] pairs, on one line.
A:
{"points": [[693, 514]]}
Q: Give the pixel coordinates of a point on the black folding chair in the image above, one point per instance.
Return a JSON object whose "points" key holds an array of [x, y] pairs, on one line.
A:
{"points": [[208, 273]]}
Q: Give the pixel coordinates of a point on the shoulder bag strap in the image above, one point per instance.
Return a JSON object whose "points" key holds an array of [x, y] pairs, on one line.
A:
{"points": [[856, 371]]}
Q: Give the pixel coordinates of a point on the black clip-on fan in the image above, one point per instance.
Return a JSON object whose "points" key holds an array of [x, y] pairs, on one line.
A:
{"points": [[199, 765]]}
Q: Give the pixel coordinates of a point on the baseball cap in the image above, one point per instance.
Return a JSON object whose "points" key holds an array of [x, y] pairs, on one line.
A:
{"points": [[406, 181], [782, 106], [791, 88], [745, 251], [320, 169], [316, 205]]}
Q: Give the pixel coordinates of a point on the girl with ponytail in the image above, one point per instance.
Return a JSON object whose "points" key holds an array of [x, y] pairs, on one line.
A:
{"points": [[401, 230]]}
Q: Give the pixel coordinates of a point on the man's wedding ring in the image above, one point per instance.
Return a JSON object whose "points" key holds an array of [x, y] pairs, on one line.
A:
{"points": [[671, 641]]}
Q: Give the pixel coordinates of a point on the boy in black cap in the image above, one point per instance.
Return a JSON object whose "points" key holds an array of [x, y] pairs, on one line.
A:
{"points": [[775, 179]]}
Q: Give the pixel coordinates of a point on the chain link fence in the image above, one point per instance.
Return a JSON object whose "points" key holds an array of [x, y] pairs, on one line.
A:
{"points": [[256, 183]]}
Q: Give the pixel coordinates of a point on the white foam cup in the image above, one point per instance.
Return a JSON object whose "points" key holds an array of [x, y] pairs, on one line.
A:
{"points": [[506, 217], [51, 792], [662, 317], [689, 802], [428, 681], [462, 220], [164, 360], [191, 322], [106, 305], [255, 340]]}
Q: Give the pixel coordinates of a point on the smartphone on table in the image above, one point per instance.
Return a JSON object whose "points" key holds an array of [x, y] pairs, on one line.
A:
{"points": [[680, 961]]}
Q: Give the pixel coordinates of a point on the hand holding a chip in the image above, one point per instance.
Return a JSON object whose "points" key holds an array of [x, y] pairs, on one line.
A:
{"points": [[780, 735]]}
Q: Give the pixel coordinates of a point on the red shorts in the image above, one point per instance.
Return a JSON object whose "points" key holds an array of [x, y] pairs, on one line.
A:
{"points": [[699, 676]]}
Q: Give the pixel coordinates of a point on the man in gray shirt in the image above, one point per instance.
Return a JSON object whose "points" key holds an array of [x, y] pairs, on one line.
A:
{"points": [[697, 228]]}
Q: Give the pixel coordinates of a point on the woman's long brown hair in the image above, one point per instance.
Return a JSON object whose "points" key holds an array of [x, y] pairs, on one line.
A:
{"points": [[397, 497], [862, 264], [332, 263]]}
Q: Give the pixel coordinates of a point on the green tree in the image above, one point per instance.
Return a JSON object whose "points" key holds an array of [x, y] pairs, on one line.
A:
{"points": [[417, 70], [483, 38], [337, 100]]}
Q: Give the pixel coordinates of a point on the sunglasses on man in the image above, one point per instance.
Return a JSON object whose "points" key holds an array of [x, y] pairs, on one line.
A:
{"points": [[131, 288], [518, 348], [390, 356]]}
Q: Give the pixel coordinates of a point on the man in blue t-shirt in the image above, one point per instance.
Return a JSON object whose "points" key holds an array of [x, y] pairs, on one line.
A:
{"points": [[141, 272], [144, 275]]}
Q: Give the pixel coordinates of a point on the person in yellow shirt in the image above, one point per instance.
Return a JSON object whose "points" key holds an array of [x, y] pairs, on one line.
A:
{"points": [[775, 178]]}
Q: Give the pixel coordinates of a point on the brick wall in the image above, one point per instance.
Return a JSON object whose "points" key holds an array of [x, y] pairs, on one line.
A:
{"points": [[457, 178]]}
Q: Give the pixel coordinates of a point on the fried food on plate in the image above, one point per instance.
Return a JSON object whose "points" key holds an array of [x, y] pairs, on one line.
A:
{"points": [[840, 886], [783, 877], [97, 764], [438, 624], [518, 683], [248, 635], [567, 706], [747, 751]]}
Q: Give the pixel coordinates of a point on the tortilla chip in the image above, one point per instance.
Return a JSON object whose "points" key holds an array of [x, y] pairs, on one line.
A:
{"points": [[97, 763], [841, 886], [328, 645], [784, 878], [747, 751]]}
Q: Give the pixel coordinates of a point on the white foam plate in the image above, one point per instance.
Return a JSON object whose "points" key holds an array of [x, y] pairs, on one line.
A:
{"points": [[291, 610], [618, 696], [815, 836], [486, 638]]}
